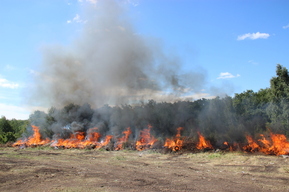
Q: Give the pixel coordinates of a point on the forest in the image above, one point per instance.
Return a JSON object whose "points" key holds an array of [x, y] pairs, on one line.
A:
{"points": [[219, 119]]}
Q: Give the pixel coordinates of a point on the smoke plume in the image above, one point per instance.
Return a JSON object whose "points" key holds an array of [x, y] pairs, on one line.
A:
{"points": [[109, 63]]}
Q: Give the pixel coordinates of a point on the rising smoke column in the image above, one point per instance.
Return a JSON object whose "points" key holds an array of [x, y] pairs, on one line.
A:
{"points": [[109, 63]]}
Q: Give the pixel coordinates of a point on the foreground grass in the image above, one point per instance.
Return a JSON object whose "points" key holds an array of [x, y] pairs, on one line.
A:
{"points": [[50, 169]]}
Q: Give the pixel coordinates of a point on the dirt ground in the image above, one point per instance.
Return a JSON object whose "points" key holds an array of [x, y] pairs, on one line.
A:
{"points": [[46, 169]]}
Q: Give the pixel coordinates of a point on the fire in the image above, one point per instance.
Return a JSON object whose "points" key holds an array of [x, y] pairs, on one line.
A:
{"points": [[176, 143], [264, 141], [231, 147], [203, 143], [79, 140], [146, 140], [252, 145], [277, 145], [76, 140], [119, 144], [105, 142], [33, 140], [273, 144], [93, 137]]}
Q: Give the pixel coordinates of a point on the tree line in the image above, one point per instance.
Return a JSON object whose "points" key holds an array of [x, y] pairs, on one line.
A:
{"points": [[219, 119], [10, 130]]}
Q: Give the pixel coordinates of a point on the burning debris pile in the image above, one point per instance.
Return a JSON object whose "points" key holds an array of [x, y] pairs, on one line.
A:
{"points": [[70, 128]]}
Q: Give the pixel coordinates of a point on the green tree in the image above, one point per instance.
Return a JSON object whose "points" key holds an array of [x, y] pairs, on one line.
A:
{"points": [[5, 126], [278, 109], [280, 85], [19, 126], [6, 131]]}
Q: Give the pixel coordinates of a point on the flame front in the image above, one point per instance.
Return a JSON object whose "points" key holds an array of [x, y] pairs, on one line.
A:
{"points": [[146, 139], [274, 144], [176, 143]]}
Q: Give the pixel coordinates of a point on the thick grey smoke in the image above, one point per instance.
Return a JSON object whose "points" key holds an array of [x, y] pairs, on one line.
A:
{"points": [[111, 64]]}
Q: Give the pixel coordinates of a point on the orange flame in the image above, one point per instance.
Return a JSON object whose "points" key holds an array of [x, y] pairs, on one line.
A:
{"points": [[278, 146], [105, 142], [231, 147], [266, 143], [252, 145], [146, 140], [275, 144], [78, 140], [203, 143], [34, 140], [119, 144], [176, 143]]}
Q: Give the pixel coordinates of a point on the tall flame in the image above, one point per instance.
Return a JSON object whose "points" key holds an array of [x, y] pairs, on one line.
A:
{"points": [[252, 145], [203, 143], [176, 143], [146, 139], [119, 144], [33, 140], [105, 142]]}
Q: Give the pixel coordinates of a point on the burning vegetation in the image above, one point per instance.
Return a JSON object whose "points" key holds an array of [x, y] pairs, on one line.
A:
{"points": [[276, 144], [111, 64], [229, 124]]}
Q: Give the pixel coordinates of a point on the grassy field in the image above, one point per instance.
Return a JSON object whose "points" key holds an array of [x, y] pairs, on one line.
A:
{"points": [[47, 169]]}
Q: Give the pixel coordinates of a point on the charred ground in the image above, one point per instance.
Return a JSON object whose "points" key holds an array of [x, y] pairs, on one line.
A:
{"points": [[46, 169]]}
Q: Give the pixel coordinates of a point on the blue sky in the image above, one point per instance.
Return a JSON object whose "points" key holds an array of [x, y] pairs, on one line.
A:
{"points": [[236, 43]]}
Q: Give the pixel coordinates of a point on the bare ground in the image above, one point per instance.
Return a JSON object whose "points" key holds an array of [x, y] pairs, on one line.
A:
{"points": [[47, 169]]}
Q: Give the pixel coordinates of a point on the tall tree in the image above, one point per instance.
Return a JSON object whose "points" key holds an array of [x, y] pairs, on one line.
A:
{"points": [[278, 109]]}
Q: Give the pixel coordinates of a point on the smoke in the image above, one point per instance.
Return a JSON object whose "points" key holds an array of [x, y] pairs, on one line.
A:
{"points": [[110, 63]]}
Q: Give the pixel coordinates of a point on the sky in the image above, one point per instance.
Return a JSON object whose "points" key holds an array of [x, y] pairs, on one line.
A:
{"points": [[235, 43]]}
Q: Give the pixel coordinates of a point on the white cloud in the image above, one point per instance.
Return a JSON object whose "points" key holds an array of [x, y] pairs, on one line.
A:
{"points": [[227, 75], [76, 19], [253, 36], [286, 26], [8, 84]]}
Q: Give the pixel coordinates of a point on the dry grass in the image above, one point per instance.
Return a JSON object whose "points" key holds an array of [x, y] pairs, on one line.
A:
{"points": [[47, 169]]}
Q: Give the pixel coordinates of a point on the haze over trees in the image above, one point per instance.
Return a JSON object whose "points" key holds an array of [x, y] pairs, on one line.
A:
{"points": [[218, 119]]}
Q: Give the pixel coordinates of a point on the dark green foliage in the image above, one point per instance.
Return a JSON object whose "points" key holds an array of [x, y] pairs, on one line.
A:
{"points": [[278, 109], [10, 130], [5, 125]]}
